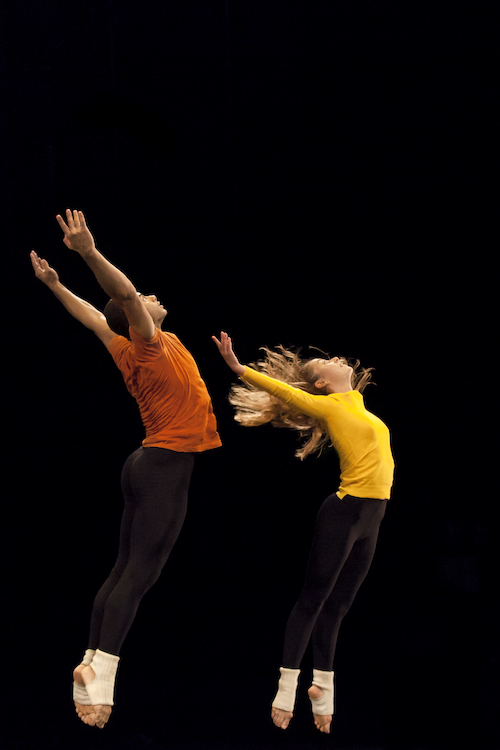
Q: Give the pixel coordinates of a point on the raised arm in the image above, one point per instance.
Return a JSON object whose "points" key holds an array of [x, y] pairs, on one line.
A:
{"points": [[115, 283], [225, 347], [309, 404], [83, 311]]}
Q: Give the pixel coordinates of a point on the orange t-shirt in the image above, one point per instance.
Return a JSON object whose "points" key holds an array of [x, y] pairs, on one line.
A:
{"points": [[162, 376]]}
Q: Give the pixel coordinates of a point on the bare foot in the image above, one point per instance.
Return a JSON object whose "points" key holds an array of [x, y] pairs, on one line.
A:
{"points": [[322, 723], [94, 716], [281, 718]]}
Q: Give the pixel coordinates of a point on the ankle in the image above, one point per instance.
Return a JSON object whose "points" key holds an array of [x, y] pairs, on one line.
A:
{"points": [[101, 688], [88, 656], [287, 689], [322, 692], [316, 691]]}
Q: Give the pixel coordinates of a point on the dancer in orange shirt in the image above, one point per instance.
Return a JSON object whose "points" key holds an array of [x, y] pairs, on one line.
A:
{"points": [[177, 414]]}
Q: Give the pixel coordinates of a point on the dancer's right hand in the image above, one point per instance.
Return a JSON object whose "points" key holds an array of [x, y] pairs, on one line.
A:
{"points": [[77, 235], [225, 347]]}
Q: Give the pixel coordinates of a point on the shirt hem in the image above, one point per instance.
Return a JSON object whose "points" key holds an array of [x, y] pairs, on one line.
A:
{"points": [[369, 494], [182, 449]]}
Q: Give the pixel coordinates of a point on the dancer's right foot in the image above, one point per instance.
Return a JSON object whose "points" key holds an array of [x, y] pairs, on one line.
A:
{"points": [[323, 723], [281, 718]]}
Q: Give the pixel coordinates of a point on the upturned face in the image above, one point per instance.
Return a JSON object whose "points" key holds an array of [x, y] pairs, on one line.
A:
{"points": [[154, 307], [334, 373]]}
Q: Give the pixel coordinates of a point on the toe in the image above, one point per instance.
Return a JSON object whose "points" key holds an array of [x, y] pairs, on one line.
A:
{"points": [[322, 723]]}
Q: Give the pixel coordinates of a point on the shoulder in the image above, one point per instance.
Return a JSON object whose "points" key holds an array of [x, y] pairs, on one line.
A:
{"points": [[150, 349], [118, 347]]}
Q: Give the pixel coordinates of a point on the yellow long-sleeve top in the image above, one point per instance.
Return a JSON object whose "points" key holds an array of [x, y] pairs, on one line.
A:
{"points": [[361, 439]]}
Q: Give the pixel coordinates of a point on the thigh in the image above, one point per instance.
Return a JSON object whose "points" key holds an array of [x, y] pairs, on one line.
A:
{"points": [[160, 483], [129, 508], [334, 536], [354, 571]]}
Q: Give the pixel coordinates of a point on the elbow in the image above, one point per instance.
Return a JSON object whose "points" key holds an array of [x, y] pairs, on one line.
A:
{"points": [[124, 294]]}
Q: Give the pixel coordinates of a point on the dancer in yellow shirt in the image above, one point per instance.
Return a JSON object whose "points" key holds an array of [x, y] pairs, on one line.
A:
{"points": [[322, 399]]}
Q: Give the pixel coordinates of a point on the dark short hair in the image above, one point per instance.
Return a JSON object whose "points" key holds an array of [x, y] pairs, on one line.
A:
{"points": [[117, 320]]}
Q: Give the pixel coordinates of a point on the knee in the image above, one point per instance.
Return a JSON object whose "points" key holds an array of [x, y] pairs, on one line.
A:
{"points": [[135, 582], [337, 605], [312, 602]]}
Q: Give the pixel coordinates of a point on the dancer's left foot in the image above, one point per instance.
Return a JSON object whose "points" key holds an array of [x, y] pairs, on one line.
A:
{"points": [[85, 712], [98, 715], [322, 723]]}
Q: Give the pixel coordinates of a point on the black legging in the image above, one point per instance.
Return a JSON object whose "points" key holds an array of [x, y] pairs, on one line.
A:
{"points": [[343, 546], [155, 483]]}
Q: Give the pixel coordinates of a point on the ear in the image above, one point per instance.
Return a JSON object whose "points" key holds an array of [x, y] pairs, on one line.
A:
{"points": [[320, 383]]}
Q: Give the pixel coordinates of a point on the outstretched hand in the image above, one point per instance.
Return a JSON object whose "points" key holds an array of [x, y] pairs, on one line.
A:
{"points": [[42, 269], [225, 348], [77, 235]]}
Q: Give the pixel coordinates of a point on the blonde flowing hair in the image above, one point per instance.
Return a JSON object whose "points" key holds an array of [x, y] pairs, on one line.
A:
{"points": [[255, 407]]}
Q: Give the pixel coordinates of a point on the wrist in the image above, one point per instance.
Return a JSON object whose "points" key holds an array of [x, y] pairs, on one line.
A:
{"points": [[88, 253]]}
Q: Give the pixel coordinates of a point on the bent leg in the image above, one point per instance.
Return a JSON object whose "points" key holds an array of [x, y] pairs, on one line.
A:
{"points": [[326, 628], [334, 536], [159, 483], [123, 551], [155, 484]]}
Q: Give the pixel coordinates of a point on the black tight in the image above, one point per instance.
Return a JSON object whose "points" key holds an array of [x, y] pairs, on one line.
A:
{"points": [[344, 543], [155, 483]]}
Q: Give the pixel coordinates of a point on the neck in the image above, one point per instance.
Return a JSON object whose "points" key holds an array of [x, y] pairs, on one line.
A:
{"points": [[344, 387]]}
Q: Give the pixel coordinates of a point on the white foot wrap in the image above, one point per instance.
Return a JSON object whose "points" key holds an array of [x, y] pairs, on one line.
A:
{"points": [[102, 688], [80, 694], [287, 688], [88, 656], [323, 706]]}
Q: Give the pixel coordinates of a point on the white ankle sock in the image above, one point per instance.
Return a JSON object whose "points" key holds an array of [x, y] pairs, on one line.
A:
{"points": [[101, 689], [323, 706], [88, 656], [287, 689], [80, 694]]}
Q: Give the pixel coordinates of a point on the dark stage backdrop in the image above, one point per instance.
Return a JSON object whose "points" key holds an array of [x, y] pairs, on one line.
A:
{"points": [[297, 173]]}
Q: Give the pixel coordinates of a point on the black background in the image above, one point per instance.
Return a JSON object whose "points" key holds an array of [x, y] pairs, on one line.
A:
{"points": [[297, 173]]}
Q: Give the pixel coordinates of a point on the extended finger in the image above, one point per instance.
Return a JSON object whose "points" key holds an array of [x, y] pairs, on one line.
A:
{"points": [[82, 219], [69, 218], [76, 219], [62, 223]]}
